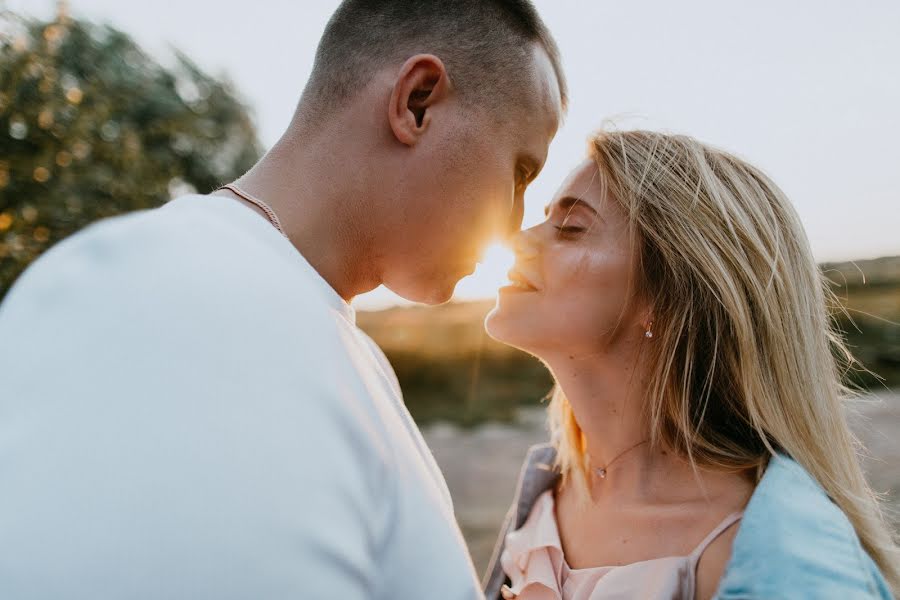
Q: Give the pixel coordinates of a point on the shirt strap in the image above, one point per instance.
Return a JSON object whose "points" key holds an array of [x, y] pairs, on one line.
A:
{"points": [[720, 528]]}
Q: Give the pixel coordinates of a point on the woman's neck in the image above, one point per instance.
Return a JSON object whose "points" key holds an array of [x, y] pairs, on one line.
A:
{"points": [[608, 399]]}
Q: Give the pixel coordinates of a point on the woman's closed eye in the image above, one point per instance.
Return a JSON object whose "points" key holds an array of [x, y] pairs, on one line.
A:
{"points": [[569, 231], [571, 217]]}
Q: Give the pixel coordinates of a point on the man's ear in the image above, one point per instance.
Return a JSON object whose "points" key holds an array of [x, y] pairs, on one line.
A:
{"points": [[420, 84]]}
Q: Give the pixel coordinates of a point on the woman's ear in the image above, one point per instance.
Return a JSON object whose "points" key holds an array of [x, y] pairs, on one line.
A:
{"points": [[421, 83]]}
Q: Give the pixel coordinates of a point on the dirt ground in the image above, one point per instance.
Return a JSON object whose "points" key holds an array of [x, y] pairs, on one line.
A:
{"points": [[481, 465]]}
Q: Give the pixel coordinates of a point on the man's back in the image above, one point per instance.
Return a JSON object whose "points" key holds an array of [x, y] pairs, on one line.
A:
{"points": [[188, 411]]}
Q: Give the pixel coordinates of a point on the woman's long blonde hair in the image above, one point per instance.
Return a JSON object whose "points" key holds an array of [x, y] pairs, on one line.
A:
{"points": [[744, 359]]}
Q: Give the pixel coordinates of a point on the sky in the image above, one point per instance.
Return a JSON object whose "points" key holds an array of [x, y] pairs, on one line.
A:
{"points": [[809, 90]]}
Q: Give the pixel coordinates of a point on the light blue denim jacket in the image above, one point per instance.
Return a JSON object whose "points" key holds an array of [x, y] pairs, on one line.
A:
{"points": [[793, 541]]}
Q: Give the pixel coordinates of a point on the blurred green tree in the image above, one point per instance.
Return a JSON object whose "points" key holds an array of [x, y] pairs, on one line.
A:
{"points": [[91, 126]]}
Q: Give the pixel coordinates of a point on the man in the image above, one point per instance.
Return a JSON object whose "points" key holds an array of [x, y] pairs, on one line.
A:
{"points": [[188, 409]]}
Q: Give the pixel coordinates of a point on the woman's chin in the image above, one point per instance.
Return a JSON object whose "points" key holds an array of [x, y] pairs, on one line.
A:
{"points": [[506, 328], [493, 325]]}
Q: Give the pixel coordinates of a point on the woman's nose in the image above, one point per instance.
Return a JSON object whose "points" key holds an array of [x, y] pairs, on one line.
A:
{"points": [[525, 245]]}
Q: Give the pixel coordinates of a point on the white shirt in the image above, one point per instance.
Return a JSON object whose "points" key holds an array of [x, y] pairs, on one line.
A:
{"points": [[188, 410]]}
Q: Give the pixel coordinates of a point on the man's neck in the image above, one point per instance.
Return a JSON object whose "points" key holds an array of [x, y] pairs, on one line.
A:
{"points": [[319, 215]]}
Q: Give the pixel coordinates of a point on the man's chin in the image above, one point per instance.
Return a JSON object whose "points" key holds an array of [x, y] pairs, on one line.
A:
{"points": [[429, 295], [436, 299]]}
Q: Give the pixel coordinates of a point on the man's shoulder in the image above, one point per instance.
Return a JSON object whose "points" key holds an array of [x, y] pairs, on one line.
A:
{"points": [[192, 223], [190, 251]]}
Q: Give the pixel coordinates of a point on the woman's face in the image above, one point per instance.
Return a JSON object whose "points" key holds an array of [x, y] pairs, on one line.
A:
{"points": [[572, 277]]}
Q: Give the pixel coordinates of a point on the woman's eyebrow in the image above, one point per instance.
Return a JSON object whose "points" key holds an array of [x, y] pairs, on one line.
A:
{"points": [[568, 203]]}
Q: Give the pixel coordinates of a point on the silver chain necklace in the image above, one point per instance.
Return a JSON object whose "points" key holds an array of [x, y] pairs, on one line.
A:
{"points": [[270, 214], [601, 471]]}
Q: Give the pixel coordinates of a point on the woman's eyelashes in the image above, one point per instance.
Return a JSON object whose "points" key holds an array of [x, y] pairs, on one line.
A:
{"points": [[569, 223], [569, 231]]}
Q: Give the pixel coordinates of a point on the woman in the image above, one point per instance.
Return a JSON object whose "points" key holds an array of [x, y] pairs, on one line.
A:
{"points": [[699, 445]]}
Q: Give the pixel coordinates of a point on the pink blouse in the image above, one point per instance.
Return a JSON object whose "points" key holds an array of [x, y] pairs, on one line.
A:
{"points": [[533, 560]]}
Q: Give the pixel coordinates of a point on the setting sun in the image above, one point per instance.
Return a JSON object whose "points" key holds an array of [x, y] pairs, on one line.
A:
{"points": [[489, 276]]}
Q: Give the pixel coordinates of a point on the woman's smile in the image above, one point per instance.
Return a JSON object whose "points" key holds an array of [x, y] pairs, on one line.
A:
{"points": [[519, 282]]}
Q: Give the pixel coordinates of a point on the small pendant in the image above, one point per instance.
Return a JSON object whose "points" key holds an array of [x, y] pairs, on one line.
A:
{"points": [[601, 473]]}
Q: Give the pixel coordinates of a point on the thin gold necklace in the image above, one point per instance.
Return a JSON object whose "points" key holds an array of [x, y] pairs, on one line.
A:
{"points": [[270, 214], [601, 471]]}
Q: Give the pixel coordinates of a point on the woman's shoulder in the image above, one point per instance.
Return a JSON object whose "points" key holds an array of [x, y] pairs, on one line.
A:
{"points": [[793, 537], [538, 474], [540, 454]]}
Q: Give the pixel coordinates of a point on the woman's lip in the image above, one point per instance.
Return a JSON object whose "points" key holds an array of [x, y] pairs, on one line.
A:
{"points": [[516, 276], [514, 289]]}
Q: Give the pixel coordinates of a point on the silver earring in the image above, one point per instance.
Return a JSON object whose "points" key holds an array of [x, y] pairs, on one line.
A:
{"points": [[649, 332]]}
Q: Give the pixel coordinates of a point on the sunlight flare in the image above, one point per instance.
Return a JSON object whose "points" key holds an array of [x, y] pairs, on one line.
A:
{"points": [[489, 276]]}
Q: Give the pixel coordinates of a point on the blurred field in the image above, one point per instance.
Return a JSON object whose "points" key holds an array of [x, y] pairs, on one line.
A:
{"points": [[450, 370], [870, 291]]}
